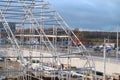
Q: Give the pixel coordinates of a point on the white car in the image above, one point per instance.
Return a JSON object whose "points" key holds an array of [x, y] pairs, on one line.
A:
{"points": [[1, 59]]}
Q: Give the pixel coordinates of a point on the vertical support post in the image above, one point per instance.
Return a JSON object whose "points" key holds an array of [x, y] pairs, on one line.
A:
{"points": [[104, 52], [117, 45]]}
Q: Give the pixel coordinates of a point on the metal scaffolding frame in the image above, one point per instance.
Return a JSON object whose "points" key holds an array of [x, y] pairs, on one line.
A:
{"points": [[41, 44]]}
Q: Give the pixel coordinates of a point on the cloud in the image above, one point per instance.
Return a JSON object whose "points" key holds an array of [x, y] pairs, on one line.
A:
{"points": [[89, 14]]}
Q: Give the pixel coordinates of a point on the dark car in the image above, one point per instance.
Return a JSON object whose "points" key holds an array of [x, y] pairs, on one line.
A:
{"points": [[97, 48]]}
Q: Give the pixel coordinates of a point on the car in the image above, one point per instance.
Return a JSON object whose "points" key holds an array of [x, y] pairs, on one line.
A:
{"points": [[1, 59], [2, 78], [97, 48]]}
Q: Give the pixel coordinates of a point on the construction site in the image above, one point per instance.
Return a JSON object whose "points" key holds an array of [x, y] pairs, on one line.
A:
{"points": [[37, 44]]}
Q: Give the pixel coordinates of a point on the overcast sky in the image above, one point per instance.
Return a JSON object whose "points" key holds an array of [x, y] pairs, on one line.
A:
{"points": [[89, 14]]}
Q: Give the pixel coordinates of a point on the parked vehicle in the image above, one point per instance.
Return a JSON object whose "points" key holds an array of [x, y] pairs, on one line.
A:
{"points": [[1, 59]]}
